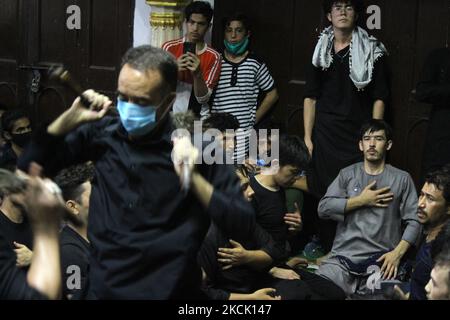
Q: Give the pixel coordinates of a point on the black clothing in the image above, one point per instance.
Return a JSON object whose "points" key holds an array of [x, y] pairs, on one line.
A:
{"points": [[13, 281], [434, 88], [239, 279], [422, 272], [74, 252], [8, 159], [341, 109], [18, 232], [144, 232], [270, 208]]}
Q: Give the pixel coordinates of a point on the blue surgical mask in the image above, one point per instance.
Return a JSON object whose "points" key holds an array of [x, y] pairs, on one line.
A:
{"points": [[137, 120], [236, 48]]}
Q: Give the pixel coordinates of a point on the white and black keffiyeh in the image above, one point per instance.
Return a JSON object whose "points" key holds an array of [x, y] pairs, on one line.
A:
{"points": [[364, 52]]}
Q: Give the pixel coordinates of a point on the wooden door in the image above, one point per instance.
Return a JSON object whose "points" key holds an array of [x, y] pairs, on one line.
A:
{"points": [[37, 36]]}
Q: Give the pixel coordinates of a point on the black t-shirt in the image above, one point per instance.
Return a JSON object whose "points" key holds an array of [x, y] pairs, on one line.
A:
{"points": [[18, 232], [13, 281], [270, 208], [74, 254]]}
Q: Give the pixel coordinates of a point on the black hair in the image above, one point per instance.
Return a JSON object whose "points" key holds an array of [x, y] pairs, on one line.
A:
{"points": [[293, 151], [357, 4], [147, 57], [237, 16], [441, 179], [10, 183], [442, 241], [70, 180], [221, 121], [376, 125], [10, 116], [199, 7]]}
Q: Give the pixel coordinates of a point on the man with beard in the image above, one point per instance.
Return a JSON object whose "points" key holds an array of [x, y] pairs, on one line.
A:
{"points": [[433, 213], [75, 184], [371, 201], [15, 227]]}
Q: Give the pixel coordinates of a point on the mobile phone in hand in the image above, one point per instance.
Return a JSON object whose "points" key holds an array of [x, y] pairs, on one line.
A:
{"points": [[189, 47]]}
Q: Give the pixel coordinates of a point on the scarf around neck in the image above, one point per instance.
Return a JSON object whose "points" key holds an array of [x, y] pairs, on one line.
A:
{"points": [[365, 50]]}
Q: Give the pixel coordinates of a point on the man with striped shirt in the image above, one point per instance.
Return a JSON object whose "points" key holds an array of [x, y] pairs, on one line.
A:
{"points": [[243, 77], [198, 72]]}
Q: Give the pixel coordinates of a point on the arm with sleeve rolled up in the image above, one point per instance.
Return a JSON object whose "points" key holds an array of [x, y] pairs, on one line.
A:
{"points": [[203, 83], [309, 116], [238, 255], [201, 90], [268, 102], [262, 259], [261, 294], [378, 110]]}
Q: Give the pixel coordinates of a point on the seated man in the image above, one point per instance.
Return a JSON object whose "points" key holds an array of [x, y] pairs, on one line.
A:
{"points": [[268, 201], [243, 264], [75, 184], [370, 201], [434, 214]]}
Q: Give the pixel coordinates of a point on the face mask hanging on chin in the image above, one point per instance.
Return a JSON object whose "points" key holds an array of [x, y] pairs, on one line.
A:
{"points": [[236, 48]]}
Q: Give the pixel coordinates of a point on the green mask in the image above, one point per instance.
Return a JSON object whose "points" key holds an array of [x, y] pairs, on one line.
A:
{"points": [[237, 48]]}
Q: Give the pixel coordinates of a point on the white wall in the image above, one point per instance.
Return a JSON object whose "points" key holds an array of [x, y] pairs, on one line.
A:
{"points": [[142, 30]]}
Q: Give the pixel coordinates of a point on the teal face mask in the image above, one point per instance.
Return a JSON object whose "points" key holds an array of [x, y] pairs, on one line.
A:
{"points": [[237, 48], [137, 120]]}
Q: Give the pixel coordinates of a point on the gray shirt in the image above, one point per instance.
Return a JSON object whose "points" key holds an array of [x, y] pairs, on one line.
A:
{"points": [[370, 230]]}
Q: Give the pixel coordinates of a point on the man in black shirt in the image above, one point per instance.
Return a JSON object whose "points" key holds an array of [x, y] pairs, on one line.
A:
{"points": [[145, 231], [75, 184], [44, 209], [15, 227]]}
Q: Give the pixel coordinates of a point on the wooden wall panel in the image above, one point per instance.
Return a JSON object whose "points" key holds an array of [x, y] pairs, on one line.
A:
{"points": [[286, 32]]}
